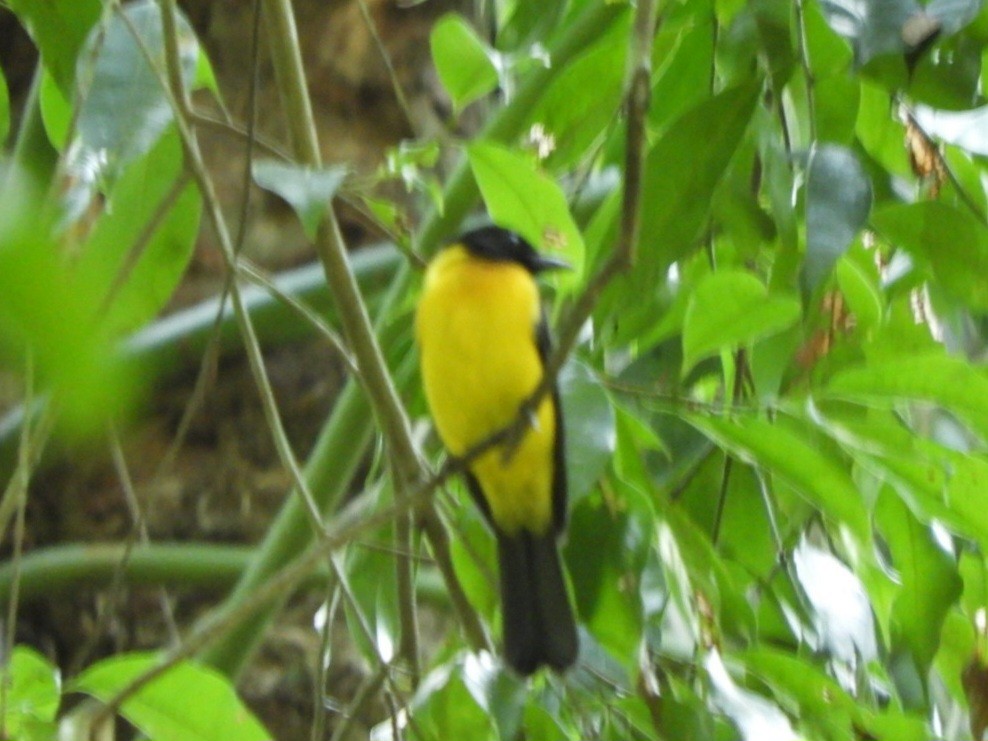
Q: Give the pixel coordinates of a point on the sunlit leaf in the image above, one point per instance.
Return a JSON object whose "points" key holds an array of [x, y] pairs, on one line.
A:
{"points": [[140, 246], [967, 129], [33, 695], [730, 308], [162, 710], [464, 63], [526, 200], [947, 381]]}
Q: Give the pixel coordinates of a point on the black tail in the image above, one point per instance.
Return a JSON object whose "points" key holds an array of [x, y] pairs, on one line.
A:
{"points": [[539, 627]]}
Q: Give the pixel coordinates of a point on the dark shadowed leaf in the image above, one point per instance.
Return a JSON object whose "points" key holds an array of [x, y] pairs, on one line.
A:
{"points": [[929, 583], [590, 428], [838, 198], [59, 28]]}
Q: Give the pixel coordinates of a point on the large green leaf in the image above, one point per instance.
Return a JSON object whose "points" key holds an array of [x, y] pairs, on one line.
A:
{"points": [[189, 702], [33, 695], [577, 107], [950, 382], [140, 246], [838, 198], [59, 28], [820, 478], [682, 171], [526, 200], [464, 63], [729, 308]]}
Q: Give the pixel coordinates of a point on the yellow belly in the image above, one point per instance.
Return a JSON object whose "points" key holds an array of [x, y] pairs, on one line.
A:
{"points": [[476, 332]]}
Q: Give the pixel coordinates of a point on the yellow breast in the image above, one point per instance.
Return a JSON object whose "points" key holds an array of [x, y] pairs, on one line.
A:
{"points": [[475, 327]]}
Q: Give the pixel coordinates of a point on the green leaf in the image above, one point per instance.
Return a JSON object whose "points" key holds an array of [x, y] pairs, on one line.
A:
{"points": [[308, 191], [140, 246], [56, 111], [163, 709], [499, 694], [589, 422], [821, 479], [681, 82], [33, 694], [59, 28], [526, 200], [125, 106], [860, 286], [682, 172], [579, 103], [950, 241], [730, 308], [838, 199], [464, 63], [929, 581], [54, 314], [949, 382]]}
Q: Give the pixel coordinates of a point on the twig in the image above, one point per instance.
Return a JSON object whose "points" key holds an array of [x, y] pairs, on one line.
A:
{"points": [[386, 58]]}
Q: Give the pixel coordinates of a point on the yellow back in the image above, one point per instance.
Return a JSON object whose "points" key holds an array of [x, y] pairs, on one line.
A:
{"points": [[475, 327]]}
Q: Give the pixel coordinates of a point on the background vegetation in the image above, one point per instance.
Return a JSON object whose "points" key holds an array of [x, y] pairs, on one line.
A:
{"points": [[770, 351]]}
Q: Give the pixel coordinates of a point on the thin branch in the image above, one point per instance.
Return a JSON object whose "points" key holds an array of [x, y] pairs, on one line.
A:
{"points": [[386, 58]]}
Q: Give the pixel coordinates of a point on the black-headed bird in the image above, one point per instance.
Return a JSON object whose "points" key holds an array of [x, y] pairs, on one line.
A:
{"points": [[483, 342]]}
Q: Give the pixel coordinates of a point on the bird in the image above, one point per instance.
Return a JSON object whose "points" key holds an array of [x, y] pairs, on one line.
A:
{"points": [[483, 343]]}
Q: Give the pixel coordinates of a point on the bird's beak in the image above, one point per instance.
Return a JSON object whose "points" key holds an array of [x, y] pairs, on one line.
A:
{"points": [[547, 262]]}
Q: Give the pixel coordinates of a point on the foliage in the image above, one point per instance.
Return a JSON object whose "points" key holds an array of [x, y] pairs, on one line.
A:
{"points": [[777, 418]]}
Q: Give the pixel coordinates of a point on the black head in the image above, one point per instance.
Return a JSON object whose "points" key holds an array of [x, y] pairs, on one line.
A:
{"points": [[495, 243]]}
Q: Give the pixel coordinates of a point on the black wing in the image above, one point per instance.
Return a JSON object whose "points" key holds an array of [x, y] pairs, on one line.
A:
{"points": [[559, 485]]}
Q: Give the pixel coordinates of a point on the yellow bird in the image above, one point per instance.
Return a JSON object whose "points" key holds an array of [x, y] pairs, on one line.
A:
{"points": [[483, 342]]}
